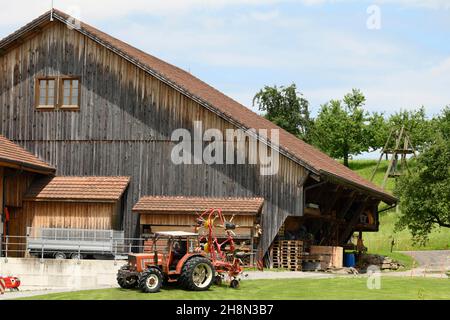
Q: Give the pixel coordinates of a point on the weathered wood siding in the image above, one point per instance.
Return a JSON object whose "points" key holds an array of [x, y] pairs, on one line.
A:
{"points": [[188, 220], [74, 215], [124, 127], [16, 185]]}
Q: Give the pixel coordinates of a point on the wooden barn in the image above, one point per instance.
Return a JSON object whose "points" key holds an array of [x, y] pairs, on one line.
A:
{"points": [[87, 104], [31, 196]]}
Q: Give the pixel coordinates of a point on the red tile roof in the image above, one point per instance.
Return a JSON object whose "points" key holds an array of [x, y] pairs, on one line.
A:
{"points": [[15, 156], [98, 189], [303, 153], [166, 204]]}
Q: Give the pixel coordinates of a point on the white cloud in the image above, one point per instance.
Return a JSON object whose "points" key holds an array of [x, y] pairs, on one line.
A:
{"points": [[431, 4], [408, 89], [20, 11]]}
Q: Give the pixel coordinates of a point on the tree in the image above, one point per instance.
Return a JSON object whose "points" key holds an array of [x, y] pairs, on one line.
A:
{"points": [[416, 124], [287, 108], [343, 128], [425, 192]]}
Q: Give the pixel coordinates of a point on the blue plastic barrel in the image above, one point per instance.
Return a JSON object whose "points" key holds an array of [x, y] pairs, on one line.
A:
{"points": [[349, 260]]}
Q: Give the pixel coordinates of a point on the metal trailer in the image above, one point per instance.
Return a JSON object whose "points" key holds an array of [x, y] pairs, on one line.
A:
{"points": [[62, 243]]}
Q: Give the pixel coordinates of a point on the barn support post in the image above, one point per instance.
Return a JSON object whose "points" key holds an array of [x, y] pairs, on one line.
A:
{"points": [[350, 225]]}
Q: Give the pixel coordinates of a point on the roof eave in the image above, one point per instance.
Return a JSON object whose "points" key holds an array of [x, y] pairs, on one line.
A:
{"points": [[383, 196], [29, 28], [27, 166]]}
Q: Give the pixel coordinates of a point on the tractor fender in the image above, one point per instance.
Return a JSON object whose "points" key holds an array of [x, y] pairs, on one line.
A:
{"points": [[188, 256], [154, 267]]}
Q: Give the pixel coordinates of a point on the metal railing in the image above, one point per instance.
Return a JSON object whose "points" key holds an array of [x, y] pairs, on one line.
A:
{"points": [[19, 247], [42, 247]]}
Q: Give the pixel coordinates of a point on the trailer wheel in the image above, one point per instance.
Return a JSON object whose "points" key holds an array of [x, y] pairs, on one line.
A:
{"points": [[77, 256], [197, 274], [151, 280], [59, 256]]}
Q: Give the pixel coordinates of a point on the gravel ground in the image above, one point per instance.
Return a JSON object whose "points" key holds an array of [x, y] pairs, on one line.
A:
{"points": [[430, 264], [433, 259]]}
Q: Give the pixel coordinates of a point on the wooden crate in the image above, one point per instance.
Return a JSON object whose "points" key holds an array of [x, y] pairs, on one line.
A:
{"points": [[331, 257]]}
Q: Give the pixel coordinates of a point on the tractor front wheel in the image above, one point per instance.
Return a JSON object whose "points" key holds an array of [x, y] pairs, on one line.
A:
{"points": [[125, 279], [197, 274], [151, 280]]}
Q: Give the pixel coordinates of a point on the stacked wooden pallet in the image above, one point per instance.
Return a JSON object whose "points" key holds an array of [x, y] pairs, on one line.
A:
{"points": [[287, 254]]}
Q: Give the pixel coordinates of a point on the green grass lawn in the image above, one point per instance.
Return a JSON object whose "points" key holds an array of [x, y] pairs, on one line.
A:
{"points": [[380, 241], [348, 288]]}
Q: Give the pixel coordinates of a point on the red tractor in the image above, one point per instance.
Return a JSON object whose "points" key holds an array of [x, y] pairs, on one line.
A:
{"points": [[194, 261], [175, 257]]}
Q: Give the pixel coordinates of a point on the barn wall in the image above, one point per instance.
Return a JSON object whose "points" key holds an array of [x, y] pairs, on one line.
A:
{"points": [[123, 128], [16, 185], [73, 215], [189, 219]]}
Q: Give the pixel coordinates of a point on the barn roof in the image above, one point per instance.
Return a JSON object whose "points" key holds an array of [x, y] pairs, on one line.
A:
{"points": [[297, 150], [81, 189], [174, 205], [13, 155]]}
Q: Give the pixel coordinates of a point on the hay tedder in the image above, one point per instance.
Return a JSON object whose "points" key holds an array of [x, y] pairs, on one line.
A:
{"points": [[193, 260]]}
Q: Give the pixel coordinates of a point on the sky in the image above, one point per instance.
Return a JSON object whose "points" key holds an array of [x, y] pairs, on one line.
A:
{"points": [[396, 51]]}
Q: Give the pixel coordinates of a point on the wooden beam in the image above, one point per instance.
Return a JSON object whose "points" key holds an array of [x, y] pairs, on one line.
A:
{"points": [[381, 155], [353, 221], [348, 205], [391, 163], [330, 204]]}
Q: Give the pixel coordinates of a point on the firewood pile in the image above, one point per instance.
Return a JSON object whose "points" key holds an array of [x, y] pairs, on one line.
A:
{"points": [[382, 262]]}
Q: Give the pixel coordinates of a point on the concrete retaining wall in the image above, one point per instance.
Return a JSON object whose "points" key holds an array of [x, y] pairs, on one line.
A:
{"points": [[36, 274]]}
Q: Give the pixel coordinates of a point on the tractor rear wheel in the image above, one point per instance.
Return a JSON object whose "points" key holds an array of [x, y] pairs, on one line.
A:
{"points": [[197, 274], [151, 280], [126, 281]]}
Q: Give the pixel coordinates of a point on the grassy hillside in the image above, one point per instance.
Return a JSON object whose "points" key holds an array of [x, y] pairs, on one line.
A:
{"points": [[381, 241]]}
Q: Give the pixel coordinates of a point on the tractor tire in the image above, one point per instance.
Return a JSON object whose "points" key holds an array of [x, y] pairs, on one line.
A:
{"points": [[198, 274], [151, 280], [126, 282]]}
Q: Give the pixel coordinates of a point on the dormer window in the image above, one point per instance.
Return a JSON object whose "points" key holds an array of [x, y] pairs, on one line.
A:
{"points": [[46, 93]]}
